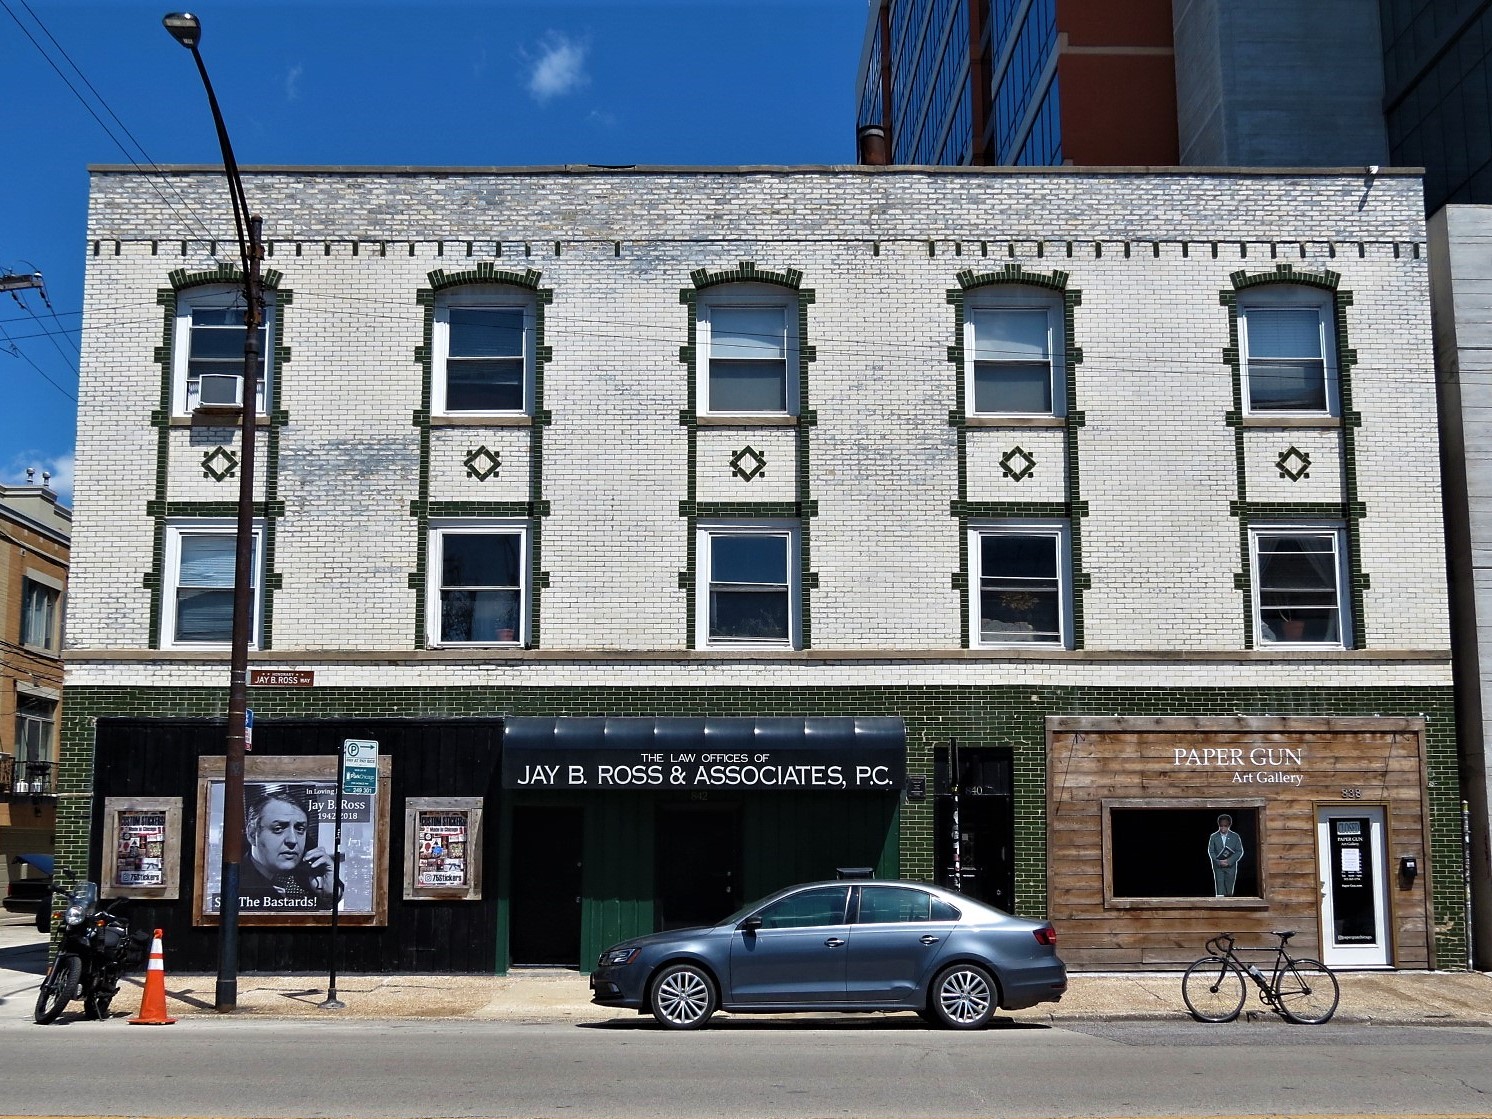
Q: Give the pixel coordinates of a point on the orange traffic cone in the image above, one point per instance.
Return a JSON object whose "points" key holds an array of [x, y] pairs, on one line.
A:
{"points": [[153, 1005]]}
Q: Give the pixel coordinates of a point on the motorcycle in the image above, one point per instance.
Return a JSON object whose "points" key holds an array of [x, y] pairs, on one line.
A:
{"points": [[97, 948]]}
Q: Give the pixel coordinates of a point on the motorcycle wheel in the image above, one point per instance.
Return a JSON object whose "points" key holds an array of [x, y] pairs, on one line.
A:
{"points": [[57, 988]]}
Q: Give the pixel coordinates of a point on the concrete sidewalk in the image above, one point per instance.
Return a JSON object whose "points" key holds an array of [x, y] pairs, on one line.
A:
{"points": [[1388, 997]]}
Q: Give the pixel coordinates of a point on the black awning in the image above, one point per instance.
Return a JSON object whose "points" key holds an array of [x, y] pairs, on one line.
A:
{"points": [[831, 753]]}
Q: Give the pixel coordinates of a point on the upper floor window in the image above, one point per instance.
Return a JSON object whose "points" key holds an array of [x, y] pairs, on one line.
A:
{"points": [[747, 341], [198, 603], [1288, 354], [479, 597], [209, 342], [750, 573], [39, 615], [1299, 577], [1023, 589], [483, 352], [1015, 348]]}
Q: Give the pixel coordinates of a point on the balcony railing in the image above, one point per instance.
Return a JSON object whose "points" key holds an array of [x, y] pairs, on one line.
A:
{"points": [[25, 778]]}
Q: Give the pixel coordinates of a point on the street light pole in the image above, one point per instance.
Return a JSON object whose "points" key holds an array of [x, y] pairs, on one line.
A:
{"points": [[186, 30]]}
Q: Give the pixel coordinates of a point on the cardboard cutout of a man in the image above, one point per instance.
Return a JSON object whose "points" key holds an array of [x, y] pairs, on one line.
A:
{"points": [[1225, 851]]}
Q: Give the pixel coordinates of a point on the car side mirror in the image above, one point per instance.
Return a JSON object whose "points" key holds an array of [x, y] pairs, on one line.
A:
{"points": [[751, 924]]}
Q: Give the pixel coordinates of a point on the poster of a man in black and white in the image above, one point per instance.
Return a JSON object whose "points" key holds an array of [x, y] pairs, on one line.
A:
{"points": [[288, 869], [285, 867]]}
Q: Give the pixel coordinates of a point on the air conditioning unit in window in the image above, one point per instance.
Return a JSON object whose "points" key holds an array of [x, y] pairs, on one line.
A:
{"points": [[220, 391]]}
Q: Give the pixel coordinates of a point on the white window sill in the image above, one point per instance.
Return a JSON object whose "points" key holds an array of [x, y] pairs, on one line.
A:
{"points": [[217, 417], [986, 420], [484, 419], [723, 419], [1266, 420]]}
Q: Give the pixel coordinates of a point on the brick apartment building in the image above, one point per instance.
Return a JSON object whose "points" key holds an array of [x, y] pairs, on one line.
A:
{"points": [[680, 534]]}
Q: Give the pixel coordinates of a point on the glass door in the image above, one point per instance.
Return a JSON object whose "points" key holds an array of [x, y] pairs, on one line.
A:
{"points": [[1354, 886]]}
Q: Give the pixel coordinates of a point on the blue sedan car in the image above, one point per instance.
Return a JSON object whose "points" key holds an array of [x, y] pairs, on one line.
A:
{"points": [[840, 946]]}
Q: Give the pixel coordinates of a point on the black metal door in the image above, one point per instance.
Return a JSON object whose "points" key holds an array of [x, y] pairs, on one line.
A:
{"points": [[974, 821], [698, 871], [544, 929]]}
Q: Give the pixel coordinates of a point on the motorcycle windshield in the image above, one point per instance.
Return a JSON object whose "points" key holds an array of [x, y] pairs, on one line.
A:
{"points": [[85, 896]]}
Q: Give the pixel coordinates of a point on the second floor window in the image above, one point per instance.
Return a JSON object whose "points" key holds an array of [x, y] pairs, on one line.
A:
{"points": [[751, 580], [1022, 597], [200, 561], [1298, 584], [479, 597]]}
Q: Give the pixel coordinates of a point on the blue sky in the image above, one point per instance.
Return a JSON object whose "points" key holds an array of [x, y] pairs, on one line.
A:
{"points": [[474, 83]]}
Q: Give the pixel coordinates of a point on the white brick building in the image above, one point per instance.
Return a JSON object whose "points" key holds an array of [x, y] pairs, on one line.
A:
{"points": [[995, 455]]}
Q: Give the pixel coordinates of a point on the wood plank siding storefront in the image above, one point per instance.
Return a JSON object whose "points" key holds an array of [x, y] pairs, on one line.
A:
{"points": [[1164, 832]]}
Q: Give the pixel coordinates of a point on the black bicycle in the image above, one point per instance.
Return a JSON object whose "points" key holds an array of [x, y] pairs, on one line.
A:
{"points": [[1304, 991]]}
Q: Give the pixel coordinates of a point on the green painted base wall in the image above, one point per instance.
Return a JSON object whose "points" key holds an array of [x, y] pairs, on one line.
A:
{"points": [[995, 716]]}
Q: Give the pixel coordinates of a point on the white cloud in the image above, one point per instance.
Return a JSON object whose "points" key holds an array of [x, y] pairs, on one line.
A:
{"points": [[292, 82], [60, 469], [559, 69]]}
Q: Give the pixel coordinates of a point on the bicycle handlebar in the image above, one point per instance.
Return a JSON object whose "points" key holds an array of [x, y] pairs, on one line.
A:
{"points": [[1213, 944]]}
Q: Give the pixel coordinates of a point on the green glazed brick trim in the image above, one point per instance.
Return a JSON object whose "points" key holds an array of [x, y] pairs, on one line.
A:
{"points": [[485, 272], [977, 715], [804, 507], [1012, 273], [1074, 508], [1285, 274], [746, 272], [439, 509], [744, 510], [271, 508], [1352, 511], [535, 508], [180, 278]]}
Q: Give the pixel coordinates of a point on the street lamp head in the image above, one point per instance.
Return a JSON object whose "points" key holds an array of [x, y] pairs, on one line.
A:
{"points": [[185, 28]]}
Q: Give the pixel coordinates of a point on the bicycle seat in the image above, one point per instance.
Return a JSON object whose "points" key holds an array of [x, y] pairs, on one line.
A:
{"points": [[1284, 935]]}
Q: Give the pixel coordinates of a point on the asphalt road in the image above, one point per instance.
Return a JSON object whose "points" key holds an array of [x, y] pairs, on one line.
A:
{"points": [[804, 1068]]}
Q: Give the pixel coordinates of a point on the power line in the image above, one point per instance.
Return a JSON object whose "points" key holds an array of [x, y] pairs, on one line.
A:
{"points": [[154, 171]]}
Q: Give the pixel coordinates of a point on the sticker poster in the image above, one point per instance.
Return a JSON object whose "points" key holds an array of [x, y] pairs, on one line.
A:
{"points": [[139, 857], [441, 859]]}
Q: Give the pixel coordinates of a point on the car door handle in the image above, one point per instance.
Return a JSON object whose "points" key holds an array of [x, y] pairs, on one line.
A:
{"points": [[930, 939], [834, 942]]}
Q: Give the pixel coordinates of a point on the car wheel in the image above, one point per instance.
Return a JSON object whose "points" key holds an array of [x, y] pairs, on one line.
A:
{"points": [[963, 997], [683, 997], [43, 921]]}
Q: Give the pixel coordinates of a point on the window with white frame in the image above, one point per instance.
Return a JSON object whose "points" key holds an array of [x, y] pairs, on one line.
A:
{"points": [[483, 351], [1288, 350], [198, 603], [1014, 342], [39, 615], [209, 341], [480, 586], [749, 573], [1022, 596], [747, 342], [1299, 581]]}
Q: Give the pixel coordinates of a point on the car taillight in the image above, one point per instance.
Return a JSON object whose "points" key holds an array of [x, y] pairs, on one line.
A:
{"points": [[1047, 936]]}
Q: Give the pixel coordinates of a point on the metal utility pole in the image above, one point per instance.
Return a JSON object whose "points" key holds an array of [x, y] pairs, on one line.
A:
{"points": [[187, 30]]}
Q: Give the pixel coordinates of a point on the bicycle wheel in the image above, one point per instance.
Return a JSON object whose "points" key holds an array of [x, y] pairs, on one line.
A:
{"points": [[1307, 992], [1213, 989]]}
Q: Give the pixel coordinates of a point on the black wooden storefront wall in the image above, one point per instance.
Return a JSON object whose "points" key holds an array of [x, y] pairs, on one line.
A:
{"points": [[429, 759]]}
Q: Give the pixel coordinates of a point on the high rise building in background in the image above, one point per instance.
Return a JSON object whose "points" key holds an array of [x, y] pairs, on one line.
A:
{"points": [[1200, 83], [1025, 82]]}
